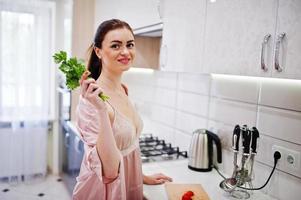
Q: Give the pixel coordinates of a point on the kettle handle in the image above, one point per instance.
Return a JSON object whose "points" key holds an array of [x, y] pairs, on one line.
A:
{"points": [[217, 141]]}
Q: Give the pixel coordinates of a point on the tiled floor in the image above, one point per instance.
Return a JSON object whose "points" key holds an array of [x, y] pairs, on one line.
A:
{"points": [[49, 188]]}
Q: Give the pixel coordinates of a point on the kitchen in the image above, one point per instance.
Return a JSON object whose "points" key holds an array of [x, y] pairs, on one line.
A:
{"points": [[209, 65]]}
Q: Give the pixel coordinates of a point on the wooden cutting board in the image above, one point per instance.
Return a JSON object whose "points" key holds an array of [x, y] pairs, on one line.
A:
{"points": [[175, 191]]}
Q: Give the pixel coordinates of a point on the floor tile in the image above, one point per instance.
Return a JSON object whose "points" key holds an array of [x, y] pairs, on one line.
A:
{"points": [[48, 188]]}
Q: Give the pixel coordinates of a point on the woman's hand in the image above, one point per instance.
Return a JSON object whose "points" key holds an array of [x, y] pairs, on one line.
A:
{"points": [[90, 90], [156, 179]]}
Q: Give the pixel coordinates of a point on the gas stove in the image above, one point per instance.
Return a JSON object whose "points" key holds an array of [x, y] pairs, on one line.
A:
{"points": [[154, 149]]}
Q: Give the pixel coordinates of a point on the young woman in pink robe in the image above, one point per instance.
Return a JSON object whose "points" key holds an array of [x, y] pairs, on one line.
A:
{"points": [[111, 168]]}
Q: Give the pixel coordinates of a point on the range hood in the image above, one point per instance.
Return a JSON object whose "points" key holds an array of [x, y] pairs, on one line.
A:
{"points": [[154, 30]]}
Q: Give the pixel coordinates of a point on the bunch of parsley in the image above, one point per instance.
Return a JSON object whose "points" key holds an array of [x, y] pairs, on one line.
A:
{"points": [[73, 70]]}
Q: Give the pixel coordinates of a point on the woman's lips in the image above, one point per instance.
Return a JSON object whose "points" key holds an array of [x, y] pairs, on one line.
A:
{"points": [[124, 61]]}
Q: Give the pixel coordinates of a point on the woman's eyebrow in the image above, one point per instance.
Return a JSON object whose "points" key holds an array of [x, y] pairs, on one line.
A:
{"points": [[116, 41]]}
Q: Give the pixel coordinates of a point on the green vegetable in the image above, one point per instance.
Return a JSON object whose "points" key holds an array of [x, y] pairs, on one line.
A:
{"points": [[73, 70]]}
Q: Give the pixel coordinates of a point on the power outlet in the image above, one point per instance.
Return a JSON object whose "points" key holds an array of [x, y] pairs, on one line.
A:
{"points": [[290, 159]]}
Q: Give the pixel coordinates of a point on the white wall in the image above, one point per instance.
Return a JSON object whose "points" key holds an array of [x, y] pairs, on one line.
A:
{"points": [[173, 104]]}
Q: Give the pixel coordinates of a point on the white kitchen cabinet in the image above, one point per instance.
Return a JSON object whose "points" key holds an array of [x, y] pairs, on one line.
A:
{"points": [[235, 31], [146, 13], [289, 22], [234, 34], [183, 32], [138, 13]]}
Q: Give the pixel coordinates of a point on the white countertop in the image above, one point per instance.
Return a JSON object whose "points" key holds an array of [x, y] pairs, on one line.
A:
{"points": [[180, 173]]}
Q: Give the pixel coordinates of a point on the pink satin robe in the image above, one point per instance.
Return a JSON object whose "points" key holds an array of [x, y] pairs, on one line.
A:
{"points": [[91, 184]]}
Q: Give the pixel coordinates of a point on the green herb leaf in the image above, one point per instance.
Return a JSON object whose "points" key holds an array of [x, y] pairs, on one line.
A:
{"points": [[59, 57], [73, 70], [104, 97]]}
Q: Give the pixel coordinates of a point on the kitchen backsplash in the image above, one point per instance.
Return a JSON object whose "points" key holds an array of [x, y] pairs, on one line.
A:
{"points": [[173, 105]]}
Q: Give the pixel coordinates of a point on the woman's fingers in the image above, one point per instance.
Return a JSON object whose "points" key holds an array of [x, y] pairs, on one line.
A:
{"points": [[92, 87], [83, 81], [92, 96], [85, 84], [97, 91], [159, 181], [162, 176], [85, 75]]}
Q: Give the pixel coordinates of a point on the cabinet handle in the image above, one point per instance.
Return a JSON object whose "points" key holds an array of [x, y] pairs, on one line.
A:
{"points": [[263, 46], [279, 40]]}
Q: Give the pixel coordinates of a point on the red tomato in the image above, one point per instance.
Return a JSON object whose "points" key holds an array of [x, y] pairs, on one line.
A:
{"points": [[186, 197], [190, 193]]}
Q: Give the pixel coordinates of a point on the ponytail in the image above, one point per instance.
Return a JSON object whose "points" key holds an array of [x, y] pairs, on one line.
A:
{"points": [[94, 63]]}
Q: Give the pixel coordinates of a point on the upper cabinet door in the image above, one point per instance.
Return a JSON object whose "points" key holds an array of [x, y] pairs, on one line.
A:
{"points": [[289, 45], [140, 13], [183, 33], [137, 13], [234, 37]]}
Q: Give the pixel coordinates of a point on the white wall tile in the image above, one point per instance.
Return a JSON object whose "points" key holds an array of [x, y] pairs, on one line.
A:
{"points": [[226, 167], [282, 124], [182, 140], [143, 109], [148, 126], [189, 123], [130, 78], [143, 93], [163, 114], [281, 93], [281, 185], [193, 103], [289, 187], [191, 82], [163, 132], [166, 79], [265, 153], [137, 76], [224, 132], [232, 113], [165, 96], [238, 88], [260, 176]]}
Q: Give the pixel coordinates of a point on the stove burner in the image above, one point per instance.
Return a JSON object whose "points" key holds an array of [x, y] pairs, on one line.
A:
{"points": [[154, 149]]}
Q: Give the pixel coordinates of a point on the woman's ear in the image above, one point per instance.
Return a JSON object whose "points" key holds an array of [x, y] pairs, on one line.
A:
{"points": [[97, 51]]}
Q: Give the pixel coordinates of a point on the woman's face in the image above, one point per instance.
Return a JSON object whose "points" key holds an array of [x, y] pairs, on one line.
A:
{"points": [[118, 50]]}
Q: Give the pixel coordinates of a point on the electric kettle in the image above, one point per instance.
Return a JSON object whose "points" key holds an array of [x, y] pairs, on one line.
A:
{"points": [[201, 152]]}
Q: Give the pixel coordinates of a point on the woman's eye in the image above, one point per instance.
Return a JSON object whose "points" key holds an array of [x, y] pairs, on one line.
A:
{"points": [[130, 45], [115, 46]]}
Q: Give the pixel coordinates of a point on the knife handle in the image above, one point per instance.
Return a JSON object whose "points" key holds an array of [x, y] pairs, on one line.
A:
{"points": [[246, 139], [235, 139], [255, 136]]}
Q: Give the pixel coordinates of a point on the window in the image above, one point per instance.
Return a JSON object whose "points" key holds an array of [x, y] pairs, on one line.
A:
{"points": [[26, 77]]}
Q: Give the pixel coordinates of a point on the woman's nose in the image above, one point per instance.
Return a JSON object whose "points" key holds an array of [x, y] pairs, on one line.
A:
{"points": [[124, 51]]}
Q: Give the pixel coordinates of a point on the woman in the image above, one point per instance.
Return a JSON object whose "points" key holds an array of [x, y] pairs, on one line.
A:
{"points": [[111, 167]]}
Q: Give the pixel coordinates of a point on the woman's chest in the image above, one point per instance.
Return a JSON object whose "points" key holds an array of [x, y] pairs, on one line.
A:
{"points": [[126, 123]]}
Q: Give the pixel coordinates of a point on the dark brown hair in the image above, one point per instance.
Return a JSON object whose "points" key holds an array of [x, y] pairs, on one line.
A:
{"points": [[94, 63]]}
